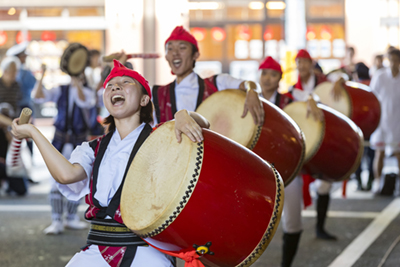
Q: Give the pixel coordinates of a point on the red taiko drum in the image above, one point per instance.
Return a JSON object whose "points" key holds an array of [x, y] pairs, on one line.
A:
{"points": [[357, 103], [333, 147], [179, 196], [279, 141]]}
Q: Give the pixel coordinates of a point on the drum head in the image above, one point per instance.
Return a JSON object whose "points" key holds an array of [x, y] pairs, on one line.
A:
{"points": [[74, 59], [224, 110], [313, 130], [154, 184], [324, 92]]}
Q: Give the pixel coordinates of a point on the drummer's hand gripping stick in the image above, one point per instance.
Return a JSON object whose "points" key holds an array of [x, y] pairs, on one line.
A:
{"points": [[15, 166]]}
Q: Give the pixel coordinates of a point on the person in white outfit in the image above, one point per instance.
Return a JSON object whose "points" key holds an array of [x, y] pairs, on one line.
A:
{"points": [[385, 84]]}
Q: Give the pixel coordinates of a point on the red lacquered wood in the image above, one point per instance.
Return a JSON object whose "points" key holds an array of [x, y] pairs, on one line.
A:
{"points": [[341, 148], [232, 206], [366, 109], [281, 142]]}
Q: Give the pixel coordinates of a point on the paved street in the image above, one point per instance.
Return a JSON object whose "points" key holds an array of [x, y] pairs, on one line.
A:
{"points": [[366, 227]]}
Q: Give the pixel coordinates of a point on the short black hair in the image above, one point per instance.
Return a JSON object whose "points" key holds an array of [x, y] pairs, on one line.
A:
{"points": [[194, 50], [395, 52], [362, 71], [94, 52]]}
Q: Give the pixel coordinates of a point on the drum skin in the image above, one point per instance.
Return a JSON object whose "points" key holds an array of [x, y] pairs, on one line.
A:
{"points": [[358, 103], [340, 150], [365, 107], [279, 140], [234, 201], [74, 59]]}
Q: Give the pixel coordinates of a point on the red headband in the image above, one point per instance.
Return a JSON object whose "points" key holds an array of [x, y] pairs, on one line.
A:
{"points": [[180, 34], [303, 54], [270, 63], [121, 70]]}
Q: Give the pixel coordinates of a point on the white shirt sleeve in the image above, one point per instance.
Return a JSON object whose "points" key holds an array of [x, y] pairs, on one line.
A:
{"points": [[84, 156], [49, 95], [90, 98], [226, 81], [374, 84]]}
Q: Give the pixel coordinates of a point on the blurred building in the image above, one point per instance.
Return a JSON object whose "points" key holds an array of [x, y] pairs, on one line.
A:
{"points": [[233, 35]]}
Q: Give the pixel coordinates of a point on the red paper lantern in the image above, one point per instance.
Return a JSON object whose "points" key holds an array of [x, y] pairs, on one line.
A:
{"points": [[3, 37], [326, 33], [218, 34], [311, 35], [244, 32], [48, 36], [268, 34], [20, 37], [199, 33]]}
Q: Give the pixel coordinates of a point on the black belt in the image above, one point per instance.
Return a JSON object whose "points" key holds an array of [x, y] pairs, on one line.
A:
{"points": [[108, 232]]}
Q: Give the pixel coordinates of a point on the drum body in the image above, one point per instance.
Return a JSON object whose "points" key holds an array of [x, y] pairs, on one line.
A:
{"points": [[357, 103], [74, 59], [279, 141], [334, 146], [177, 196]]}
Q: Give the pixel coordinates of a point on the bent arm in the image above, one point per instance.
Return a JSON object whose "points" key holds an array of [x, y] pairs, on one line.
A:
{"points": [[60, 168], [199, 119]]}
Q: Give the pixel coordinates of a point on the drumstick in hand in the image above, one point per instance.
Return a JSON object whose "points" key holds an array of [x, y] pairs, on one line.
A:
{"points": [[25, 116], [110, 58], [15, 146]]}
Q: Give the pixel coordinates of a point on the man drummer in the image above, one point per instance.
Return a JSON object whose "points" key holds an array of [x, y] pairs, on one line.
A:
{"points": [[189, 90], [271, 74]]}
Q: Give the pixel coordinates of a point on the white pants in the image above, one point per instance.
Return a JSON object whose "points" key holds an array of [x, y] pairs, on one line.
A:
{"points": [[323, 187], [145, 256], [293, 204]]}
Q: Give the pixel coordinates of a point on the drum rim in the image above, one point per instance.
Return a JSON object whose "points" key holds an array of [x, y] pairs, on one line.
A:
{"points": [[312, 153], [358, 159], [64, 63], [361, 143], [272, 225], [346, 96], [256, 130], [183, 194]]}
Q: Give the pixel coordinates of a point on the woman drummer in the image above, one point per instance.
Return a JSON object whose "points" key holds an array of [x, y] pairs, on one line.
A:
{"points": [[271, 74], [98, 168]]}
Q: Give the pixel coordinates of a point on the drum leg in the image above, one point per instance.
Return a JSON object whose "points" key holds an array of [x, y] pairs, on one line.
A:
{"points": [[322, 208], [289, 248]]}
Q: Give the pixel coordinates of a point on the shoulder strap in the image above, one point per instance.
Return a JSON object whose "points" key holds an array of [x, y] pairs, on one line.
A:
{"points": [[93, 144], [100, 153], [201, 91], [155, 101], [277, 99], [172, 97], [115, 201]]}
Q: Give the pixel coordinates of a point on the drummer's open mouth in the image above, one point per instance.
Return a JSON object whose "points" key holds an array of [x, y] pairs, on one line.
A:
{"points": [[117, 100], [177, 63]]}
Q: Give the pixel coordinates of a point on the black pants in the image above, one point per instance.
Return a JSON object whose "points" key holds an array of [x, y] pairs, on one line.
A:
{"points": [[17, 185]]}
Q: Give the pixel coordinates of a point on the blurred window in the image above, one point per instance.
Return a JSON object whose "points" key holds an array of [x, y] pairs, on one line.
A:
{"points": [[10, 13]]}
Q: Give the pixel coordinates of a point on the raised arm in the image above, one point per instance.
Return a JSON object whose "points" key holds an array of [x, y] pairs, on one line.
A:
{"points": [[38, 91], [60, 168]]}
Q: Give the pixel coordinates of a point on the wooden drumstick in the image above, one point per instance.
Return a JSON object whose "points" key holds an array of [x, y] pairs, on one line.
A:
{"points": [[110, 58], [25, 116]]}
